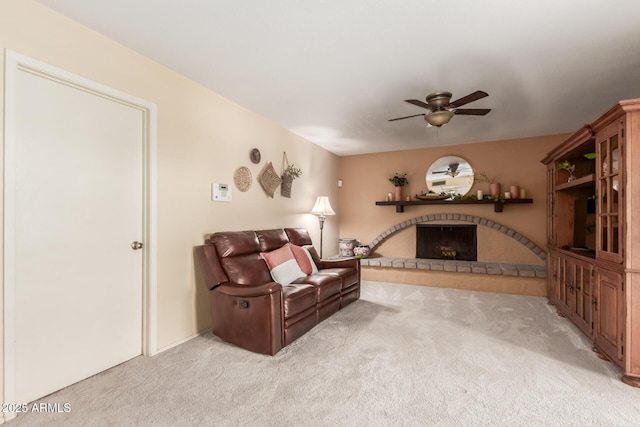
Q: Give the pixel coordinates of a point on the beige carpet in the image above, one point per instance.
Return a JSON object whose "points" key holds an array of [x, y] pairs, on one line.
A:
{"points": [[401, 356]]}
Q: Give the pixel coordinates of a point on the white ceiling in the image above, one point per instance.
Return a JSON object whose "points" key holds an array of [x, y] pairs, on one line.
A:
{"points": [[334, 71]]}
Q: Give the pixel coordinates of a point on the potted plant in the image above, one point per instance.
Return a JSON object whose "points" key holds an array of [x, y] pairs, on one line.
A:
{"points": [[569, 167], [290, 173], [398, 181], [495, 187]]}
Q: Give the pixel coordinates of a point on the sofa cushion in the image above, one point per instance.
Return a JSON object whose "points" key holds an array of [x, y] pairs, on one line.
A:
{"points": [[283, 265], [234, 243], [271, 240], [297, 298], [348, 276], [298, 236], [247, 269], [305, 261], [326, 285]]}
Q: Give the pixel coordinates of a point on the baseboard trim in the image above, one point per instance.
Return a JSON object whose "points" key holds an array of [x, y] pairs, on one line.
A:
{"points": [[7, 416], [182, 341]]}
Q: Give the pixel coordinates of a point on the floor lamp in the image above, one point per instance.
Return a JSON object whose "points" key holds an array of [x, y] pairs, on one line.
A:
{"points": [[321, 209]]}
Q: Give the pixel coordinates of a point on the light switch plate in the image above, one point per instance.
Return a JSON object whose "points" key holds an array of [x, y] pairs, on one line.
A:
{"points": [[220, 192]]}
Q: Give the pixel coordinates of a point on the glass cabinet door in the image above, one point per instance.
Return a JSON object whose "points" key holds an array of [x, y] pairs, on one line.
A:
{"points": [[609, 238]]}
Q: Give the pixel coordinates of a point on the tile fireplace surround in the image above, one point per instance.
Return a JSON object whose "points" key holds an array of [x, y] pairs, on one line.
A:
{"points": [[474, 267], [538, 271]]}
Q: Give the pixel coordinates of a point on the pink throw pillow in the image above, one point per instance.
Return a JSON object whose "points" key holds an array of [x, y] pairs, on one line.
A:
{"points": [[305, 261], [282, 265]]}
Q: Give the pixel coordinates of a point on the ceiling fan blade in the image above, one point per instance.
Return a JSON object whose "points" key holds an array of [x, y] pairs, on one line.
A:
{"points": [[418, 103], [406, 117], [467, 99], [472, 111], [434, 172]]}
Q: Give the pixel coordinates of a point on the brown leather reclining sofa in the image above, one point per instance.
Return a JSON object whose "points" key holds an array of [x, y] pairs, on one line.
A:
{"points": [[252, 311]]}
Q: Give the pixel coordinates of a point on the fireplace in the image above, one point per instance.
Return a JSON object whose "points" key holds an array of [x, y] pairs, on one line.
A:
{"points": [[447, 241]]}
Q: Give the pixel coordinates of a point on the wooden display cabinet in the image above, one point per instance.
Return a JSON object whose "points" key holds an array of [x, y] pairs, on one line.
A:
{"points": [[571, 287], [593, 222]]}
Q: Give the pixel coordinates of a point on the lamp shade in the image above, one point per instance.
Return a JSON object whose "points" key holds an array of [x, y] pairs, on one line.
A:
{"points": [[322, 207], [439, 118]]}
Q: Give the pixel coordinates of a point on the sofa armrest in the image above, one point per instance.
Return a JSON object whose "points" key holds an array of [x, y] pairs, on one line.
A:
{"points": [[250, 317], [236, 290], [340, 263]]}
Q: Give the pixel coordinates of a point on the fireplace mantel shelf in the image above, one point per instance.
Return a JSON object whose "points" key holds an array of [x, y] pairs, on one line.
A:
{"points": [[497, 205]]}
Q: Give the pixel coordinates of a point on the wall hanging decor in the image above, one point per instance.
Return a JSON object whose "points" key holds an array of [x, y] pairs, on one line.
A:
{"points": [[255, 156], [289, 173], [242, 178], [269, 179]]}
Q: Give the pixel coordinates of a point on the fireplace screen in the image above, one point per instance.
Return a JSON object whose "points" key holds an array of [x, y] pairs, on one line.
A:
{"points": [[447, 241]]}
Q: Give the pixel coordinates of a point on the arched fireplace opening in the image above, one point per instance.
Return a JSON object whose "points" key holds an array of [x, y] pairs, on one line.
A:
{"points": [[447, 241]]}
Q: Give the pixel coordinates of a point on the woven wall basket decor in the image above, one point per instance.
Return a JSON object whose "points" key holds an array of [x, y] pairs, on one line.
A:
{"points": [[242, 178], [269, 179], [285, 188]]}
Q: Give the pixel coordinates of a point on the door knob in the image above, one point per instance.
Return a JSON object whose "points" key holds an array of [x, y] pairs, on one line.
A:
{"points": [[136, 245]]}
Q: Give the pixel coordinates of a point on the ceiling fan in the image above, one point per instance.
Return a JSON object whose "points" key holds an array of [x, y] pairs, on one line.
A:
{"points": [[442, 109], [452, 170]]}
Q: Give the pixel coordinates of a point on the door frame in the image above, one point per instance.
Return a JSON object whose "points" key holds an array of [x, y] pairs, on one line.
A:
{"points": [[14, 63]]}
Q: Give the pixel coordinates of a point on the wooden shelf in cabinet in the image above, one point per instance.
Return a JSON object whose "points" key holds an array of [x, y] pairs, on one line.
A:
{"points": [[583, 182], [497, 205], [583, 253]]}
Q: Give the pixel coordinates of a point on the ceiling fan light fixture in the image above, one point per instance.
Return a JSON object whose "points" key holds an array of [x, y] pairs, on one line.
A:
{"points": [[439, 118], [439, 99], [442, 109]]}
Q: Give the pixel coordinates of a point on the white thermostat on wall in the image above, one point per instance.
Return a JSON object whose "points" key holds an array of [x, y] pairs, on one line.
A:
{"points": [[220, 192]]}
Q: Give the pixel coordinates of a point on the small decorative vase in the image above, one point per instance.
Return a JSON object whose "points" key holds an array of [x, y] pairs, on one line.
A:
{"points": [[345, 247], [398, 194], [361, 251], [571, 178], [515, 191], [496, 189]]}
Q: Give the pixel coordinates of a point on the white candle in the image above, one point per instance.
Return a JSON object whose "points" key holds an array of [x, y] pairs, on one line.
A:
{"points": [[507, 195], [479, 194]]}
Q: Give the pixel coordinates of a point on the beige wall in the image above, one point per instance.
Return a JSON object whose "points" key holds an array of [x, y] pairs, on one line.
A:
{"points": [[511, 162], [202, 138]]}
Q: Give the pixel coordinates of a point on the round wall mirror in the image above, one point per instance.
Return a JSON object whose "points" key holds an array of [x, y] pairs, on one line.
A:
{"points": [[451, 175]]}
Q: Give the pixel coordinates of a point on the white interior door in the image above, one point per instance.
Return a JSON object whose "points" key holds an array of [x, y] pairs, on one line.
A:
{"points": [[78, 205]]}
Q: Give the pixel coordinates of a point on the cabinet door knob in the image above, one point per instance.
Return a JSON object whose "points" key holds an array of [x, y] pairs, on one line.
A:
{"points": [[136, 246]]}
